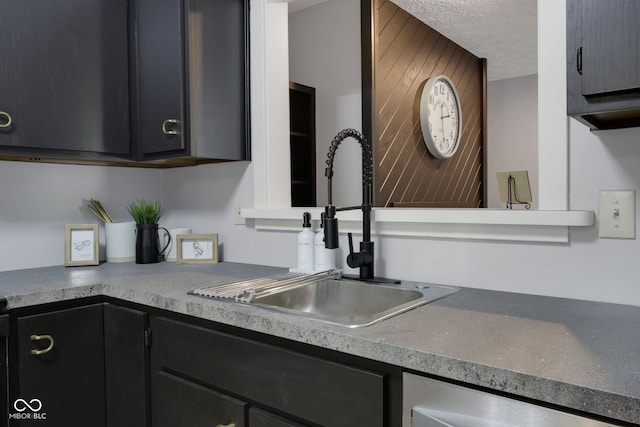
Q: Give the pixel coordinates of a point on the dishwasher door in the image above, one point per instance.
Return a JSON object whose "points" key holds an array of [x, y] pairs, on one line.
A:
{"points": [[432, 403]]}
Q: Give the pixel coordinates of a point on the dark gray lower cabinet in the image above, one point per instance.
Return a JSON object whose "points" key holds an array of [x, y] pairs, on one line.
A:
{"points": [[106, 365], [282, 387], [81, 366], [60, 368]]}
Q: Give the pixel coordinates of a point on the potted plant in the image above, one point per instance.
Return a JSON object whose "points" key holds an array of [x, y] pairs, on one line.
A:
{"points": [[145, 211], [146, 214]]}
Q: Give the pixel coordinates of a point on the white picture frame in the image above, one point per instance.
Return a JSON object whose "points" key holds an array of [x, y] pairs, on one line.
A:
{"points": [[197, 249], [81, 245]]}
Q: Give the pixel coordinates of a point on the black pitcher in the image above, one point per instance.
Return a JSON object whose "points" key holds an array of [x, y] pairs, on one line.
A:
{"points": [[148, 243]]}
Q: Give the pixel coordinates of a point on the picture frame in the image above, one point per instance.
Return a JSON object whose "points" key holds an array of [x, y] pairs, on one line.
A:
{"points": [[81, 245], [197, 249]]}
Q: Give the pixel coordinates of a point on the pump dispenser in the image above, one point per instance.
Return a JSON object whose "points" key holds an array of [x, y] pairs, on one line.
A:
{"points": [[305, 244]]}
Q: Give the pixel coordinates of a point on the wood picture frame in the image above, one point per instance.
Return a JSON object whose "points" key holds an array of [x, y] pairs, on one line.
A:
{"points": [[197, 249], [81, 245]]}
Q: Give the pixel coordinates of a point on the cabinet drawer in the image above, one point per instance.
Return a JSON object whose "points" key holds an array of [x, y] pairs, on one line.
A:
{"points": [[260, 418], [179, 402], [298, 384]]}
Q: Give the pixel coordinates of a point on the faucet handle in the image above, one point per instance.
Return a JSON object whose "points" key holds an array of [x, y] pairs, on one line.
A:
{"points": [[358, 259], [351, 258]]}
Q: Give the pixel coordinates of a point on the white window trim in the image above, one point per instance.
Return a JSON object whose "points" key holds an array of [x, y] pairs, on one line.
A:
{"points": [[270, 148]]}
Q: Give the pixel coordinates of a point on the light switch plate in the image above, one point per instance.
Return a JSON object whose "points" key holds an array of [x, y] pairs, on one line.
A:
{"points": [[617, 214]]}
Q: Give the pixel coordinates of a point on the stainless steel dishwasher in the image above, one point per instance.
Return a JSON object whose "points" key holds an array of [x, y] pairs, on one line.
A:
{"points": [[431, 403]]}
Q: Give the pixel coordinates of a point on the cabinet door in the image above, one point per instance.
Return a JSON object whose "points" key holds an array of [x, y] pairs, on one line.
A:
{"points": [[610, 40], [179, 402], [159, 122], [61, 363], [126, 366], [603, 63], [64, 77], [190, 77]]}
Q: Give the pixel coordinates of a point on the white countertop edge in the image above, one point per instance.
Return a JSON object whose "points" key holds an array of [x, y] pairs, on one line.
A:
{"points": [[477, 224]]}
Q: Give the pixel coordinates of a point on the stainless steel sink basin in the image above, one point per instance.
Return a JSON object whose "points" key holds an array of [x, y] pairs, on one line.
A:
{"points": [[350, 303]]}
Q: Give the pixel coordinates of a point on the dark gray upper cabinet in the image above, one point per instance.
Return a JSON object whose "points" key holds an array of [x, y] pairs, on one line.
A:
{"points": [[603, 62], [190, 79], [118, 81], [64, 78]]}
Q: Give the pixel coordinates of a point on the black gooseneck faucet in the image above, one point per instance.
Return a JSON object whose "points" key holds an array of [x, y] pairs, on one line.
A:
{"points": [[363, 259]]}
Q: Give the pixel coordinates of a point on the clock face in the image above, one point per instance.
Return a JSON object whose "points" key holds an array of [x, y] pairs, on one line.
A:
{"points": [[440, 117]]}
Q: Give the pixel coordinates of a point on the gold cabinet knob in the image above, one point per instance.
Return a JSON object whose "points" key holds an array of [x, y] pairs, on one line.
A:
{"points": [[41, 338]]}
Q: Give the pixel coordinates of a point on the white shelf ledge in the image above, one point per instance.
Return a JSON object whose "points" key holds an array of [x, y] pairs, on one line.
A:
{"points": [[479, 224]]}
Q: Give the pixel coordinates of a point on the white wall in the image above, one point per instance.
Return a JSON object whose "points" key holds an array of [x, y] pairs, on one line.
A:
{"points": [[37, 200], [512, 123]]}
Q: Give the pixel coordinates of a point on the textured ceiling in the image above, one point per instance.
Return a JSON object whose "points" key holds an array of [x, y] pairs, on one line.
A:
{"points": [[503, 31]]}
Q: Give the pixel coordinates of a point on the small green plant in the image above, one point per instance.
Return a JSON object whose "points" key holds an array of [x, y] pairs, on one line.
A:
{"points": [[145, 211]]}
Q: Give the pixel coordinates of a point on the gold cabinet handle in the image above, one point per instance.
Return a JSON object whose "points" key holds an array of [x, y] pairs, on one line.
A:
{"points": [[7, 121], [40, 338], [227, 425], [167, 127]]}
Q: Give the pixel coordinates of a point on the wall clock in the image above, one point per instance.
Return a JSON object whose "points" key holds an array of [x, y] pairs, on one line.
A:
{"points": [[440, 117]]}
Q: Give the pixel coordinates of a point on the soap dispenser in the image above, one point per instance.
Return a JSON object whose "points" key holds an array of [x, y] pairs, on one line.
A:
{"points": [[305, 244], [325, 259]]}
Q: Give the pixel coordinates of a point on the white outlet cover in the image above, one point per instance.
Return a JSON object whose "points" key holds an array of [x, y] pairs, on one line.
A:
{"points": [[617, 214]]}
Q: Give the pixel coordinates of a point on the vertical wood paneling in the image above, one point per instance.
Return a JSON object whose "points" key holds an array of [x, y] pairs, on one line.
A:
{"points": [[406, 52]]}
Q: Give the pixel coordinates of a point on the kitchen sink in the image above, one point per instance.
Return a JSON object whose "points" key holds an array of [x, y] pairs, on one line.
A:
{"points": [[328, 297], [350, 303]]}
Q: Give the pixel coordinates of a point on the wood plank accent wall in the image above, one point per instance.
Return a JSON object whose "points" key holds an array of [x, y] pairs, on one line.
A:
{"points": [[404, 53]]}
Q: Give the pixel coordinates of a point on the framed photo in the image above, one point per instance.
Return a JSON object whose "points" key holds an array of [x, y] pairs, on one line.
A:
{"points": [[81, 244], [197, 248]]}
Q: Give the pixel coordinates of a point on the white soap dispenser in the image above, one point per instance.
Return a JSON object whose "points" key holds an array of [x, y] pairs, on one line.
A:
{"points": [[305, 244], [325, 258]]}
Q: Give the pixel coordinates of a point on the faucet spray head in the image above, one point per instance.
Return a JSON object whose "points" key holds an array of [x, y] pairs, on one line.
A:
{"points": [[330, 227]]}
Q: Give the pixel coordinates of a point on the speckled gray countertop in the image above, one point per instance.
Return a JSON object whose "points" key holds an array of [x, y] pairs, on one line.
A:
{"points": [[576, 354]]}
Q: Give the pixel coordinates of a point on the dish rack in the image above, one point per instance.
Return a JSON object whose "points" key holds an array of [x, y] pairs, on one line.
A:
{"points": [[248, 290]]}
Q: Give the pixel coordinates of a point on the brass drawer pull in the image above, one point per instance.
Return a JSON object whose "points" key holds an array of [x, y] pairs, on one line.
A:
{"points": [[7, 119], [168, 128], [40, 338], [227, 425]]}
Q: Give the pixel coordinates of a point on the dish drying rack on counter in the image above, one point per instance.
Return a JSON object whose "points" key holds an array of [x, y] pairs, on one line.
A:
{"points": [[247, 290]]}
